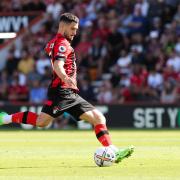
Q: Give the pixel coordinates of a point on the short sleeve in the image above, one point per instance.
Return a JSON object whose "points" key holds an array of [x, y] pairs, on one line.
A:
{"points": [[60, 51], [49, 47]]}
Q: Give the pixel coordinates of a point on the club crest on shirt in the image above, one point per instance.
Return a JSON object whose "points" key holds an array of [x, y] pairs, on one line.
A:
{"points": [[62, 49]]}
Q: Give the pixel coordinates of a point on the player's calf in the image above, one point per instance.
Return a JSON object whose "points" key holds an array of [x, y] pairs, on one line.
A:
{"points": [[26, 117]]}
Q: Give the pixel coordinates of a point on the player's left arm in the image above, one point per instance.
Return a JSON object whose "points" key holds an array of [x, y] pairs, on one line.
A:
{"points": [[60, 71], [60, 55]]}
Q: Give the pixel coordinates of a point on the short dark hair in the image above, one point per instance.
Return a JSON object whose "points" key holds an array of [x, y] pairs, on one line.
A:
{"points": [[69, 18]]}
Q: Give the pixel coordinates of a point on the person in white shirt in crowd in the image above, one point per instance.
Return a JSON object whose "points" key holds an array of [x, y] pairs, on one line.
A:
{"points": [[42, 63]]}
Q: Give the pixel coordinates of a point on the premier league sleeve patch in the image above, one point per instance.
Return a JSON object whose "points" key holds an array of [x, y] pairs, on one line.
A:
{"points": [[62, 49]]}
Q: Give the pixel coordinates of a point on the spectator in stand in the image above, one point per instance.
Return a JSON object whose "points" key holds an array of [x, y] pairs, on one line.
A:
{"points": [[17, 92], [26, 64], [168, 13], [138, 23], [37, 92], [88, 28], [125, 5], [177, 16], [177, 46], [97, 56], [138, 82], [105, 95], [46, 78], [91, 9], [137, 54], [48, 24], [169, 93], [124, 81], [42, 63], [155, 80], [33, 5], [156, 8], [11, 63], [156, 27], [55, 8], [153, 45], [102, 31], [172, 3], [16, 5], [86, 90], [112, 15], [168, 39], [169, 73], [124, 62], [4, 85], [144, 5], [82, 48], [5, 6], [124, 20], [114, 42], [80, 10], [153, 55], [174, 61], [32, 76]]}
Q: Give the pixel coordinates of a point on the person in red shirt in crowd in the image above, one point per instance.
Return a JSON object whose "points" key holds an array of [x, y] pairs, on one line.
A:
{"points": [[17, 92], [138, 81], [62, 91], [102, 30]]}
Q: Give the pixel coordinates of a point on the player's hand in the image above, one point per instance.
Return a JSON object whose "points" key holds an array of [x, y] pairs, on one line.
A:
{"points": [[69, 81]]}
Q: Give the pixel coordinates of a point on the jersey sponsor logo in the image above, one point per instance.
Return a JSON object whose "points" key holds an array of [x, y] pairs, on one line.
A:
{"points": [[62, 49]]}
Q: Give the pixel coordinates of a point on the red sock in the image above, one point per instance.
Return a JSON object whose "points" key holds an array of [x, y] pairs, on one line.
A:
{"points": [[25, 118], [102, 134]]}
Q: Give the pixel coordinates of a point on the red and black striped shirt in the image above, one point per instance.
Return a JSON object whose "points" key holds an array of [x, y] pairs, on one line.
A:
{"points": [[59, 49]]}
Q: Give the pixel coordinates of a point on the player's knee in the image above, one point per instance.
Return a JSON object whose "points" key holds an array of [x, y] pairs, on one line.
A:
{"points": [[42, 123], [98, 117]]}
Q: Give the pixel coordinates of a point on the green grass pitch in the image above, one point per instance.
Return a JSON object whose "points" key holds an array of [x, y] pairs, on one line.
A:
{"points": [[61, 155]]}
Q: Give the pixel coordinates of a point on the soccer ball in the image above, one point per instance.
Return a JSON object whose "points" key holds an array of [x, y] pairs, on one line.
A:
{"points": [[104, 157]]}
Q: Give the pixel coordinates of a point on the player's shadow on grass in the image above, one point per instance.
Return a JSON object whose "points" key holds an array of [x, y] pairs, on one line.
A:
{"points": [[41, 167], [19, 167]]}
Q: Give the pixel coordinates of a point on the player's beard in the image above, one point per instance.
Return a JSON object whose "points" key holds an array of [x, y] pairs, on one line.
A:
{"points": [[67, 37]]}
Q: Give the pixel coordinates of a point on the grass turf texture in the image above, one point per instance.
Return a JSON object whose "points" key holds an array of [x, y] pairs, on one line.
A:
{"points": [[68, 155]]}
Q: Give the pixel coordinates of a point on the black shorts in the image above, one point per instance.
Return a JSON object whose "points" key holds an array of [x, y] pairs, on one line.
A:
{"points": [[65, 100]]}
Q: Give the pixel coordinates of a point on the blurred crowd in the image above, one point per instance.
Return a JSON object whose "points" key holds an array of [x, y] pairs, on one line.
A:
{"points": [[127, 51]]}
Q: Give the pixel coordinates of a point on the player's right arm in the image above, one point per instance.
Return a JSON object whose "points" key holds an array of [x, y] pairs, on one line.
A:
{"points": [[49, 47]]}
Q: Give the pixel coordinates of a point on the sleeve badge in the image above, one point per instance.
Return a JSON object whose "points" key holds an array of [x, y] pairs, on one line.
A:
{"points": [[62, 49]]}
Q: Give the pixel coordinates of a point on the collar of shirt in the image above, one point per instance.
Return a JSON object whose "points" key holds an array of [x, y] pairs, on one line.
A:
{"points": [[59, 35]]}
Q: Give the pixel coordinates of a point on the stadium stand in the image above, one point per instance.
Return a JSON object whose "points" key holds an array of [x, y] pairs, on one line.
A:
{"points": [[131, 51]]}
